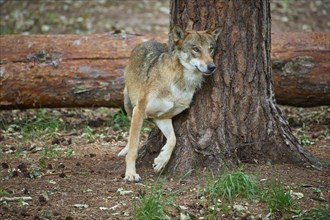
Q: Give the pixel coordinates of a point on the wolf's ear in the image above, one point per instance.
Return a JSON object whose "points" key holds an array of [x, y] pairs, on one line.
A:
{"points": [[215, 32], [178, 33]]}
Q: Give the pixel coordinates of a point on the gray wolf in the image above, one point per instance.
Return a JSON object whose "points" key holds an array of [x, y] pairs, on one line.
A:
{"points": [[160, 83]]}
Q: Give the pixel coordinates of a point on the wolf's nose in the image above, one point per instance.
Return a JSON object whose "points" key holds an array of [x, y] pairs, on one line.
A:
{"points": [[211, 67]]}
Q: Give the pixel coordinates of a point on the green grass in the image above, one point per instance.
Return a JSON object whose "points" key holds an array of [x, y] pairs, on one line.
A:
{"points": [[3, 192], [229, 185], [41, 123], [52, 152], [304, 140], [152, 205], [120, 121], [48, 214], [277, 198], [87, 133], [322, 213], [285, 4], [225, 188], [6, 29], [35, 126]]}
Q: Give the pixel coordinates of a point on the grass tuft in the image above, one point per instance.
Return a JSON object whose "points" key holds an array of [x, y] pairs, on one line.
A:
{"points": [[228, 185], [224, 188], [152, 205], [277, 198]]}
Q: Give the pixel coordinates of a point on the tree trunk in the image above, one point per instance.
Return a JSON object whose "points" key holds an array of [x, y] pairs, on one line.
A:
{"points": [[86, 71], [233, 118]]}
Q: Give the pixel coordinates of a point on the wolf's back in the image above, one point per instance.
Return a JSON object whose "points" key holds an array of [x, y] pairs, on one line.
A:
{"points": [[143, 58]]}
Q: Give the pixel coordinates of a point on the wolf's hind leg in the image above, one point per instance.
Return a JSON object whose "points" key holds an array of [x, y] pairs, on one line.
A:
{"points": [[165, 125], [123, 152]]}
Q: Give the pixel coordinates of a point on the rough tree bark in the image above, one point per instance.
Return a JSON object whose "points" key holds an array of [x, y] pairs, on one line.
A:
{"points": [[233, 118]]}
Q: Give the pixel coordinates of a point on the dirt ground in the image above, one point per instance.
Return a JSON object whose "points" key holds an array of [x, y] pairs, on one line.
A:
{"points": [[66, 159], [78, 164]]}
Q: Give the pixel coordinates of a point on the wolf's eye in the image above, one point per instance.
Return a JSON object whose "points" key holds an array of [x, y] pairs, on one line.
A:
{"points": [[211, 47], [196, 49]]}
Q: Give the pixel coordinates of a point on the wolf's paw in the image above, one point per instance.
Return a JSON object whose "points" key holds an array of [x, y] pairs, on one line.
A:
{"points": [[123, 152], [132, 177], [160, 162]]}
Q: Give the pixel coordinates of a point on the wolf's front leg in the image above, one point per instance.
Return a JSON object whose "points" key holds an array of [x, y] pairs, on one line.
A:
{"points": [[133, 142], [165, 125]]}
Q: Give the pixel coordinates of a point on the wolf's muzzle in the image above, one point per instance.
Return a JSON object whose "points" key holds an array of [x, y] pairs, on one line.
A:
{"points": [[211, 67]]}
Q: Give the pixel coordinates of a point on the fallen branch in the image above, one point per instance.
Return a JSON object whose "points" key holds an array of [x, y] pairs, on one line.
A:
{"points": [[15, 199], [55, 173]]}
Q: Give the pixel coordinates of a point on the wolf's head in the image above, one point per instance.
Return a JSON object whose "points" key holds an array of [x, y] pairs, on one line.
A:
{"points": [[196, 48]]}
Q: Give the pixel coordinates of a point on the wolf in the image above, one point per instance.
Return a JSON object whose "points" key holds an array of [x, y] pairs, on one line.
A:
{"points": [[160, 83]]}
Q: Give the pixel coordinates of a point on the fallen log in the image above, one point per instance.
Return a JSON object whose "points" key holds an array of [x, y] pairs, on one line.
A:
{"points": [[301, 68], [64, 70], [87, 71]]}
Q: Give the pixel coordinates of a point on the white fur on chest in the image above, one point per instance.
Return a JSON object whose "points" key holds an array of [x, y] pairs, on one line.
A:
{"points": [[178, 99], [181, 96]]}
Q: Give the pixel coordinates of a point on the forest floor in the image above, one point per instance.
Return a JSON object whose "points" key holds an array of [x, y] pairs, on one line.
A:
{"points": [[64, 161]]}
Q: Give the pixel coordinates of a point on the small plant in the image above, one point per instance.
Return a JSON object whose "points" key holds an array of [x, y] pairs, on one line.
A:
{"points": [[47, 153], [285, 4], [304, 140], [278, 199], [3, 192], [87, 132], [120, 121], [48, 214], [152, 205], [3, 124], [69, 153]]}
